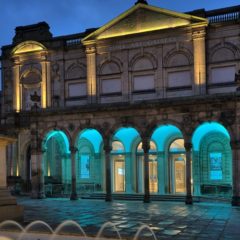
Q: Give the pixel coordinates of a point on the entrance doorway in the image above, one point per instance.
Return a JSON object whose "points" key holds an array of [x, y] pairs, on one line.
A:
{"points": [[178, 167], [119, 174]]}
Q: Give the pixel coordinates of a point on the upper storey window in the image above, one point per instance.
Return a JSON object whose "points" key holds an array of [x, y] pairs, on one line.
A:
{"points": [[76, 83], [143, 75], [110, 78], [178, 71], [222, 65]]}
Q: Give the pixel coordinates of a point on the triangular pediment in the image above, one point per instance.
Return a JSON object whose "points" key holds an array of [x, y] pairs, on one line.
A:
{"points": [[143, 18]]}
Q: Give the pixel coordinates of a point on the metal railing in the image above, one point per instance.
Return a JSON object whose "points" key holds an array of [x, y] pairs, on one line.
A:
{"points": [[224, 15]]}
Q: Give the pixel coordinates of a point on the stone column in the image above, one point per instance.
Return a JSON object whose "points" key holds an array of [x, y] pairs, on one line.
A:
{"points": [[9, 210], [91, 74], [108, 181], [74, 179], [146, 147], [199, 51], [161, 173], [235, 145], [188, 147], [37, 180], [16, 85]]}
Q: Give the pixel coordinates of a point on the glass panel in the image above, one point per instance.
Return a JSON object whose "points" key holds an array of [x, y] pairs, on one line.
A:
{"points": [[85, 166], [77, 89], [117, 146], [179, 173], [119, 175], [153, 147], [177, 146], [153, 175], [216, 166], [111, 86], [143, 83]]}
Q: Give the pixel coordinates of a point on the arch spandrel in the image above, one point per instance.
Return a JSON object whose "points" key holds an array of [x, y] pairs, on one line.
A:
{"points": [[28, 47]]}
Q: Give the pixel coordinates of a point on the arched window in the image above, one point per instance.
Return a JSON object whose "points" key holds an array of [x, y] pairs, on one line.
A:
{"points": [[222, 67], [178, 68], [143, 76], [76, 82], [110, 79]]}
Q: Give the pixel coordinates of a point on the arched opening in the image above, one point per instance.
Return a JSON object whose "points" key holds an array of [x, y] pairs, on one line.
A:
{"points": [[123, 160], [212, 160], [57, 163], [153, 168], [89, 162], [169, 151]]}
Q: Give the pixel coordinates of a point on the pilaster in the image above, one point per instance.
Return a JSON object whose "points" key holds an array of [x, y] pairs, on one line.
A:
{"points": [[91, 74], [199, 51], [16, 85]]}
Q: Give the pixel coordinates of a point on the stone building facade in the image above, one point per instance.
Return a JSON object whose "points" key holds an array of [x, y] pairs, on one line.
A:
{"points": [[146, 105]]}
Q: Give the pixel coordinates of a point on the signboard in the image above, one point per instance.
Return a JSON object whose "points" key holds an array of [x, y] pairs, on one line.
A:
{"points": [[216, 166]]}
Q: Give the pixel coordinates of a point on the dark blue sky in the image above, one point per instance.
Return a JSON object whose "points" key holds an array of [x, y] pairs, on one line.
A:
{"points": [[73, 16]]}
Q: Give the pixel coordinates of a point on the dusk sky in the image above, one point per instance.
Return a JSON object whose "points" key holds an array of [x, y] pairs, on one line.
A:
{"points": [[73, 16]]}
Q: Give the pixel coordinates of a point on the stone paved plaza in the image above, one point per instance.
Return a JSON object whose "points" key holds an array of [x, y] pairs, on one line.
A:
{"points": [[168, 220]]}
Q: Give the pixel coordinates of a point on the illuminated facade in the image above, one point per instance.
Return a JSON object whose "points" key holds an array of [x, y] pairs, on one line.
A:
{"points": [[146, 106]]}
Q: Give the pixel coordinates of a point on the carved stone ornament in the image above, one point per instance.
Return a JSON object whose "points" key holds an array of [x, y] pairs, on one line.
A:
{"points": [[71, 127], [188, 123], [228, 118]]}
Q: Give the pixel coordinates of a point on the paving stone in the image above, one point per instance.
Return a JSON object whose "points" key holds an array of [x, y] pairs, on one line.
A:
{"points": [[168, 220]]}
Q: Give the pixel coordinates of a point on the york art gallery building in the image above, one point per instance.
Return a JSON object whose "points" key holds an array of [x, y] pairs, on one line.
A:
{"points": [[145, 107]]}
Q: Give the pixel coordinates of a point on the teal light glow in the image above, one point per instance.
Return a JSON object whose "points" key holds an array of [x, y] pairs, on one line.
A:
{"points": [[59, 135], [94, 137], [162, 134], [204, 129], [126, 136]]}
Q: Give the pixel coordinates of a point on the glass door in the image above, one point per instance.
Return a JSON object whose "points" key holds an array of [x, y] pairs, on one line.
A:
{"points": [[179, 173], [119, 175], [153, 175]]}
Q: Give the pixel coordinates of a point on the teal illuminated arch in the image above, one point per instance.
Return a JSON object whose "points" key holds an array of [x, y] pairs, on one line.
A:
{"points": [[93, 136], [126, 135], [59, 135], [206, 128], [163, 133]]}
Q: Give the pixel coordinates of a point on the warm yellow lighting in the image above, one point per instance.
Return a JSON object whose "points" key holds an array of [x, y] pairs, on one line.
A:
{"points": [[143, 18], [49, 171], [142, 28], [17, 171], [28, 46], [44, 85], [91, 71], [199, 61]]}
